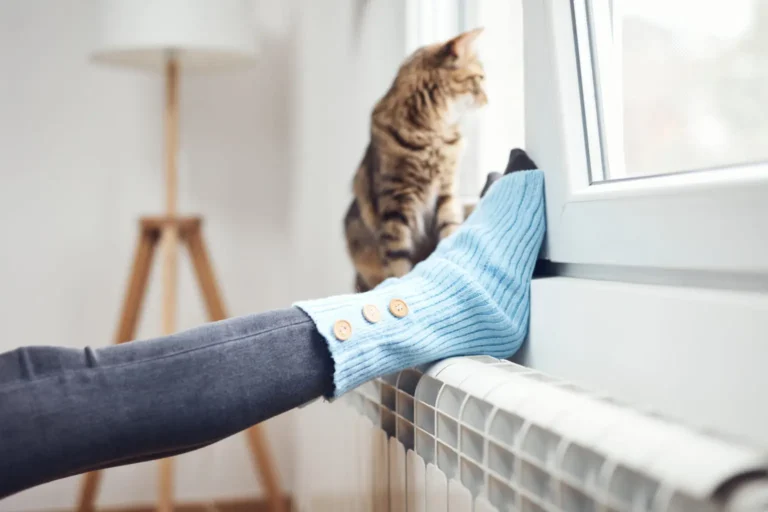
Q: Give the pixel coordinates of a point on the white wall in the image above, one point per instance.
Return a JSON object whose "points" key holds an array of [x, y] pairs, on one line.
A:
{"points": [[80, 161], [349, 51], [267, 156], [344, 68], [690, 353]]}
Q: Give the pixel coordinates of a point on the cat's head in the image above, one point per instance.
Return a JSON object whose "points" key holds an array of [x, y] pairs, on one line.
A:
{"points": [[452, 68]]}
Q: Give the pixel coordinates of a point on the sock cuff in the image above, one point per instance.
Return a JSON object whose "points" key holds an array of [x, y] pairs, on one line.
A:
{"points": [[439, 313]]}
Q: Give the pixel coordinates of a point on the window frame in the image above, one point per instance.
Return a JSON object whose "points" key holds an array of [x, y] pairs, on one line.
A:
{"points": [[705, 220]]}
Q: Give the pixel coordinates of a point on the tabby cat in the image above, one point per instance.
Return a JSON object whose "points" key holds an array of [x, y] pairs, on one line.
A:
{"points": [[405, 187]]}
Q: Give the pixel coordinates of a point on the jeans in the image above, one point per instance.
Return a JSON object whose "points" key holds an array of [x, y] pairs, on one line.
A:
{"points": [[66, 411]]}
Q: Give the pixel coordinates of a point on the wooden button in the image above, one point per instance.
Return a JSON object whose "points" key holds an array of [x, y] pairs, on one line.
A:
{"points": [[398, 308], [371, 313], [342, 330]]}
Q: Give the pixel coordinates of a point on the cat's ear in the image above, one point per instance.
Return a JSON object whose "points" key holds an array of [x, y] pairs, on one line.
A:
{"points": [[462, 45]]}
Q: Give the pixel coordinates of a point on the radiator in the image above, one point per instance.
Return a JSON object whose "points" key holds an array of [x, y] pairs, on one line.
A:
{"points": [[483, 435]]}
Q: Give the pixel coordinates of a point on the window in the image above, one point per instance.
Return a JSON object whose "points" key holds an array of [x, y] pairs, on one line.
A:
{"points": [[618, 220], [692, 348], [497, 128], [619, 90], [681, 85]]}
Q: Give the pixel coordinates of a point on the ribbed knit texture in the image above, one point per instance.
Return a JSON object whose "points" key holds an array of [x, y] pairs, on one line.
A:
{"points": [[470, 297]]}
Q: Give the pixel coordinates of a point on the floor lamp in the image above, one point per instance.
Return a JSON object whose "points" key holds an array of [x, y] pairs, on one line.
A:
{"points": [[168, 36]]}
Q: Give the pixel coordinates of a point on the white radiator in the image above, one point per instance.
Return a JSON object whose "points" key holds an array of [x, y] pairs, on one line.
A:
{"points": [[483, 435]]}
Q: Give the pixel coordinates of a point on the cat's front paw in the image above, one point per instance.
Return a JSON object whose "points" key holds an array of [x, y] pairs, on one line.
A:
{"points": [[400, 267], [448, 230]]}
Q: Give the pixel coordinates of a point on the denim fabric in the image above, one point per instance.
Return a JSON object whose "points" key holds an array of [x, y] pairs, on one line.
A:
{"points": [[66, 411]]}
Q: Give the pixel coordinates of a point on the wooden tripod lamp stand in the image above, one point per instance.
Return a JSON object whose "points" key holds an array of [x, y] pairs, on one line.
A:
{"points": [[168, 36]]}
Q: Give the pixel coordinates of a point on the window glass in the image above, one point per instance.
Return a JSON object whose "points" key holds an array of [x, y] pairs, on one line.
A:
{"points": [[681, 85]]}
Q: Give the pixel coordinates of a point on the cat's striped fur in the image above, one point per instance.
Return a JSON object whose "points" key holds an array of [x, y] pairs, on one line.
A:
{"points": [[405, 187]]}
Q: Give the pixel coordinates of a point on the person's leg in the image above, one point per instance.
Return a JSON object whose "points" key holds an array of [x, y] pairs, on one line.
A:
{"points": [[67, 411]]}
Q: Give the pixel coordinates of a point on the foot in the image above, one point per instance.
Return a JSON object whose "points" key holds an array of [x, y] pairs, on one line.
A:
{"points": [[470, 297], [518, 161]]}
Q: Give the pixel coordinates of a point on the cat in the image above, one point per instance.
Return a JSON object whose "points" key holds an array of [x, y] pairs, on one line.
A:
{"points": [[404, 189]]}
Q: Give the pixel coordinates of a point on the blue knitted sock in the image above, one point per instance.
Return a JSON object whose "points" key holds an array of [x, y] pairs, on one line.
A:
{"points": [[470, 297]]}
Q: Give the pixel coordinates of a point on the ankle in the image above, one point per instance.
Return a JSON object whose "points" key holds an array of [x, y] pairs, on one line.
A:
{"points": [[470, 297]]}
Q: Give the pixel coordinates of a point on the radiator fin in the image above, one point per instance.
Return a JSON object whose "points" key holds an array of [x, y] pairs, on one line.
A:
{"points": [[483, 435]]}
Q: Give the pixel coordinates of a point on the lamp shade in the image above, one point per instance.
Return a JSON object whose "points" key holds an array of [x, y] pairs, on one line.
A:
{"points": [[198, 34]]}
